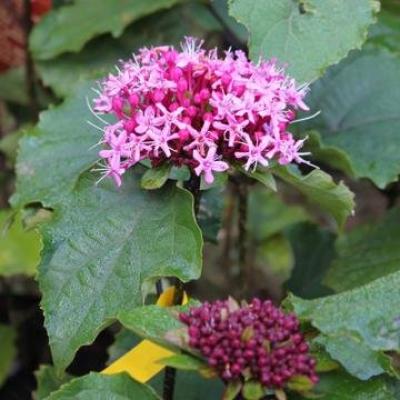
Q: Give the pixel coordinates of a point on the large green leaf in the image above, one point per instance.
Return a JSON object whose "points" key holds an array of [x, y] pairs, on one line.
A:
{"points": [[362, 363], [8, 350], [19, 249], [100, 55], [101, 247], [319, 188], [366, 253], [48, 381], [53, 155], [309, 35], [367, 316], [103, 387], [68, 28], [313, 252], [360, 117]]}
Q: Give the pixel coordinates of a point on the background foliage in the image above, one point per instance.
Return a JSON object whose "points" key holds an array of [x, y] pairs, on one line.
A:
{"points": [[324, 241]]}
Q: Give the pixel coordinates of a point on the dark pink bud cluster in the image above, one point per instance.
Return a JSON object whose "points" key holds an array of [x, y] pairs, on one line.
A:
{"points": [[257, 340], [193, 108]]}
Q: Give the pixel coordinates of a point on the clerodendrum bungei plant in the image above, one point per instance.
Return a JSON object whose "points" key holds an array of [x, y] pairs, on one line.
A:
{"points": [[193, 109], [192, 246]]}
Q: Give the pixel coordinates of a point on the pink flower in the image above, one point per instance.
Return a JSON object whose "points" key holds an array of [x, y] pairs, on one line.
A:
{"points": [[147, 120], [254, 153], [208, 164], [193, 108]]}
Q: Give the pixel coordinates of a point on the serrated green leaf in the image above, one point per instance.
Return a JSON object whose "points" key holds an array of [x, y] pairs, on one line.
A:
{"points": [[155, 178], [52, 156], [96, 386], [184, 362], [319, 188], [100, 249], [19, 249], [366, 253], [100, 55], [360, 118], [309, 35], [8, 350], [314, 251], [366, 314], [48, 381], [69, 27], [363, 363]]}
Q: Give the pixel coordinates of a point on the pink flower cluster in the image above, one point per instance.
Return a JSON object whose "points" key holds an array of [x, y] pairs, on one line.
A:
{"points": [[256, 341], [193, 108]]}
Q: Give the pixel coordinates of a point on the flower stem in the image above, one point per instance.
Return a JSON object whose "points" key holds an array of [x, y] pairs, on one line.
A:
{"points": [[193, 185]]}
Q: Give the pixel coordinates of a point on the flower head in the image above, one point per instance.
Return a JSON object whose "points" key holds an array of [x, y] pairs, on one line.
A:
{"points": [[256, 341], [192, 108]]}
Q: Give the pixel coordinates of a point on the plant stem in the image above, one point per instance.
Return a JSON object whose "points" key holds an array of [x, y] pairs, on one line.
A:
{"points": [[29, 67], [193, 185]]}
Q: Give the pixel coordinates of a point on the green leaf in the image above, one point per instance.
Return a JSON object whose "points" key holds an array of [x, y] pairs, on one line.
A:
{"points": [[102, 247], [19, 249], [154, 323], [386, 32], [253, 390], [360, 118], [341, 386], [232, 389], [366, 253], [269, 215], [155, 178], [48, 381], [313, 252], [96, 386], [100, 55], [300, 383], [184, 361], [263, 176], [13, 86], [309, 35], [9, 350], [363, 363], [240, 32], [367, 315], [124, 341], [210, 212], [319, 188], [53, 155], [57, 32], [9, 145]]}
